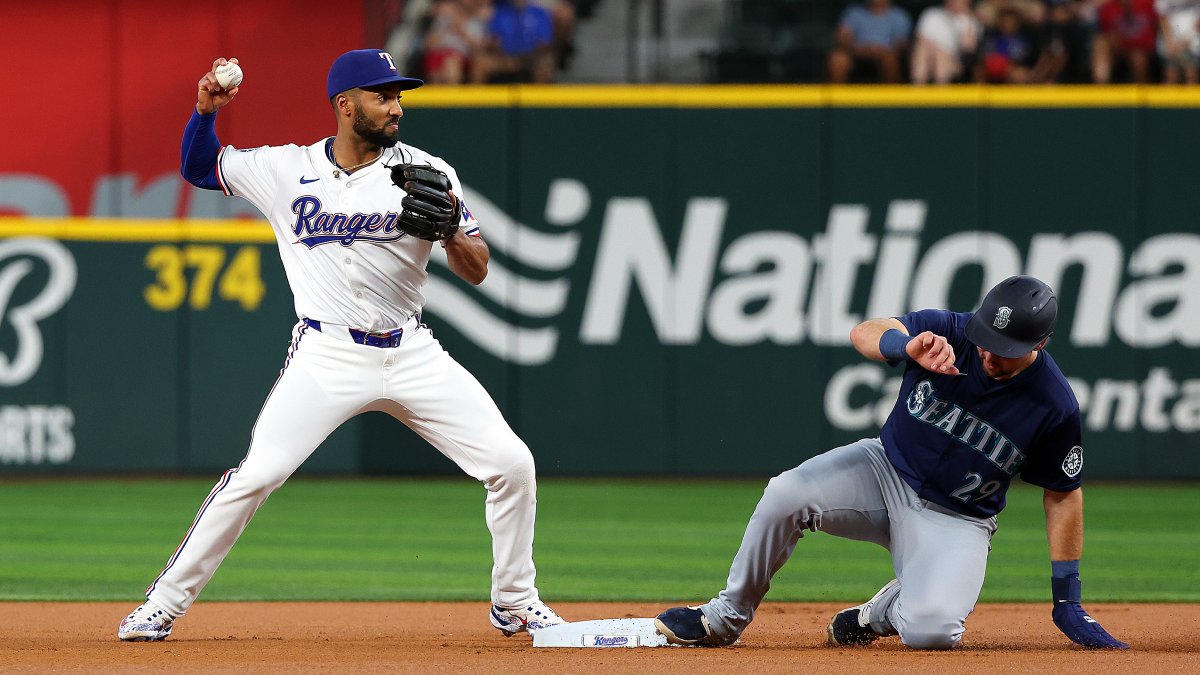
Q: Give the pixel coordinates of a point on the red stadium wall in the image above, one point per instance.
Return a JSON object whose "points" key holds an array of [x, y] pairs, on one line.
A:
{"points": [[103, 89]]}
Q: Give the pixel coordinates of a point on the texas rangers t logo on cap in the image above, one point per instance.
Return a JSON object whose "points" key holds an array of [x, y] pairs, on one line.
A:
{"points": [[1002, 316], [365, 68]]}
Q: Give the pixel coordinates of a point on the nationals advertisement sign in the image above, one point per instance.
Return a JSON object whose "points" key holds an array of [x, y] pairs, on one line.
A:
{"points": [[672, 280]]}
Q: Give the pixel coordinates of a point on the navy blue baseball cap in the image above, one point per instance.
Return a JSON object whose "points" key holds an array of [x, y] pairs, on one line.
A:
{"points": [[365, 68]]}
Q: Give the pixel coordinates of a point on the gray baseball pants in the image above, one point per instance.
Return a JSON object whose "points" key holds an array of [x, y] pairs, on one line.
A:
{"points": [[854, 492]]}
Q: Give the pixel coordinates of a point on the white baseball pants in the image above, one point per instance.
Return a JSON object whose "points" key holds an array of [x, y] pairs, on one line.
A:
{"points": [[326, 381]]}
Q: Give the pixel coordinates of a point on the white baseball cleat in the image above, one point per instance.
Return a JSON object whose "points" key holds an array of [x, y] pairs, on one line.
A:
{"points": [[147, 623], [531, 618]]}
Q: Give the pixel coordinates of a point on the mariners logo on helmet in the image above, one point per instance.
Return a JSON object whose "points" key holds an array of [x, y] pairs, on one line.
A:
{"points": [[1023, 311], [1002, 316], [1073, 462]]}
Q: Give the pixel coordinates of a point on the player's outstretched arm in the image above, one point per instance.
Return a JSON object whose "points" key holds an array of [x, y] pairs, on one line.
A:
{"points": [[1064, 531], [888, 340], [211, 96]]}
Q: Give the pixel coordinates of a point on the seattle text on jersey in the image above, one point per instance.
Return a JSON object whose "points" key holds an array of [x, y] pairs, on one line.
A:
{"points": [[967, 428]]}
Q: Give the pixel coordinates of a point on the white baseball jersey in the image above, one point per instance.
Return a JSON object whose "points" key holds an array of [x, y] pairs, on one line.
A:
{"points": [[350, 267], [329, 226]]}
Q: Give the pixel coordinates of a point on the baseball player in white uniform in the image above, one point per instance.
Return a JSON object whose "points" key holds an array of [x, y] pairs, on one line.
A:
{"points": [[355, 217]]}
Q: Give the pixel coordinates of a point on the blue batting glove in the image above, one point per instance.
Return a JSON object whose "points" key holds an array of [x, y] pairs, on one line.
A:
{"points": [[1074, 622]]}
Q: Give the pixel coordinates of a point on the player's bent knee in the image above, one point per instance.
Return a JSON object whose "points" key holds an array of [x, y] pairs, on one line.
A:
{"points": [[525, 470], [930, 640], [779, 490], [792, 482], [786, 495], [521, 469], [258, 480], [516, 466], [931, 631], [515, 455]]}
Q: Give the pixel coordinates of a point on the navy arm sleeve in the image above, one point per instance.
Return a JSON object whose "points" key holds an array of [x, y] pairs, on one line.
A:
{"points": [[198, 156]]}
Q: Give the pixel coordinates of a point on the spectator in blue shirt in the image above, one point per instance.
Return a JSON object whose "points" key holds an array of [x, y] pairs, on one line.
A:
{"points": [[520, 43], [873, 34]]}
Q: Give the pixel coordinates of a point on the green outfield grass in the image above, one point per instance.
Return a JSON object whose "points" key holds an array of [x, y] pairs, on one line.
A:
{"points": [[612, 539]]}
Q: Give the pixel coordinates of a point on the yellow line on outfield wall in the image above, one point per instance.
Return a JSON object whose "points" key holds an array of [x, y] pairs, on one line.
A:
{"points": [[802, 96], [138, 230]]}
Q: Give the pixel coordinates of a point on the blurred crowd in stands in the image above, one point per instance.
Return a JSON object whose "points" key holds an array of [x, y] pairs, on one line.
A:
{"points": [[1019, 42], [846, 41], [498, 41]]}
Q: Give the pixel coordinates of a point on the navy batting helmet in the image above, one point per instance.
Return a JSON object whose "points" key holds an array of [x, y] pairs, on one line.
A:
{"points": [[1016, 315]]}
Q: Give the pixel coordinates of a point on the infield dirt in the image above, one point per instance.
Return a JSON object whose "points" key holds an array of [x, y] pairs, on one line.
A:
{"points": [[291, 637]]}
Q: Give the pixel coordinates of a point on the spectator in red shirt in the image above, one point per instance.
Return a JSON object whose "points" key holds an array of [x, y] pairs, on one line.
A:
{"points": [[1128, 32], [457, 32]]}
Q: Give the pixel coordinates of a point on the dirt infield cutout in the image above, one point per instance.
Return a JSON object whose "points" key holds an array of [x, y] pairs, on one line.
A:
{"points": [[279, 637]]}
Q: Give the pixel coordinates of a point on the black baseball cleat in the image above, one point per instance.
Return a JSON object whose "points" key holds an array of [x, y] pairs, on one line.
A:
{"points": [[846, 631], [851, 627], [685, 626]]}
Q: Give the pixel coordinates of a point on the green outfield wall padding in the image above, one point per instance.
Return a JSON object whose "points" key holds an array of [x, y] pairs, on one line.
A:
{"points": [[671, 293]]}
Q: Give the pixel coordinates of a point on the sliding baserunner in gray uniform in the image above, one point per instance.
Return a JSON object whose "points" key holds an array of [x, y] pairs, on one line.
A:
{"points": [[981, 402]]}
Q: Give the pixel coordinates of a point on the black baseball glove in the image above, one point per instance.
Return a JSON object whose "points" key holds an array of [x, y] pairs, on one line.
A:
{"points": [[430, 211]]}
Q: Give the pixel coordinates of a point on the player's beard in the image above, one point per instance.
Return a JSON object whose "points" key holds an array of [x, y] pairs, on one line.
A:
{"points": [[377, 136]]}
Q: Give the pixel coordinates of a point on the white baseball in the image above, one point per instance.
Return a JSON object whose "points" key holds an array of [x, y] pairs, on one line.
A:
{"points": [[228, 75]]}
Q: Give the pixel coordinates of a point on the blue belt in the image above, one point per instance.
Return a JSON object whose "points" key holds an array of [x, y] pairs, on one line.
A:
{"points": [[362, 337]]}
